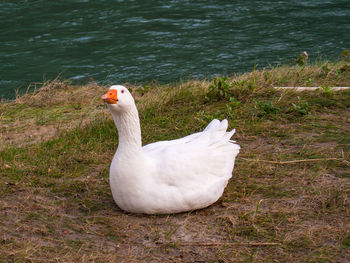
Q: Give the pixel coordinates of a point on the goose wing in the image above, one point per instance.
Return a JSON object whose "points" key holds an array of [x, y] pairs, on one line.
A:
{"points": [[195, 161]]}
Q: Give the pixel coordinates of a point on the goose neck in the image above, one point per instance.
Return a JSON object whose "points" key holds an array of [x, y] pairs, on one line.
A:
{"points": [[129, 131]]}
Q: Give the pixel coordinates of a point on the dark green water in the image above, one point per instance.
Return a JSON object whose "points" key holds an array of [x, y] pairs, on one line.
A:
{"points": [[144, 40]]}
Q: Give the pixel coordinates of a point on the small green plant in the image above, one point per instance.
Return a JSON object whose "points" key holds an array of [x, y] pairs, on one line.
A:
{"points": [[301, 108], [282, 80], [234, 102], [327, 90], [309, 82], [220, 89], [229, 112], [338, 72], [205, 117], [266, 108], [325, 69], [346, 242]]}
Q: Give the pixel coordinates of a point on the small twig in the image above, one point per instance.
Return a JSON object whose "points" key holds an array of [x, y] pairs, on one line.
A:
{"points": [[255, 213], [214, 244], [311, 88], [346, 163], [293, 161]]}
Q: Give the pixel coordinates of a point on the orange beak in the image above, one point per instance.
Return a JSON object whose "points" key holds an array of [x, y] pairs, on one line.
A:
{"points": [[110, 97]]}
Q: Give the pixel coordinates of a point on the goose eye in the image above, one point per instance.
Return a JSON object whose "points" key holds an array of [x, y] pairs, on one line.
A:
{"points": [[122, 91]]}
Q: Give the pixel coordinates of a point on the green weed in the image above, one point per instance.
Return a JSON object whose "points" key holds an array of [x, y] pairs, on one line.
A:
{"points": [[346, 241], [309, 82], [300, 108], [265, 108], [220, 89], [325, 69], [326, 90]]}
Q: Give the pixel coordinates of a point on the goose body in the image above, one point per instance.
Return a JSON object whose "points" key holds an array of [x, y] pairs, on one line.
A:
{"points": [[168, 176]]}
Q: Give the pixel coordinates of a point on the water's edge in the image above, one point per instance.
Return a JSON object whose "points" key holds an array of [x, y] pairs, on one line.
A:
{"points": [[142, 41]]}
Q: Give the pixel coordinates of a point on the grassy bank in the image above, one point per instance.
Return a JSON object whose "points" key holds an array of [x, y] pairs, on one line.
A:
{"points": [[288, 199]]}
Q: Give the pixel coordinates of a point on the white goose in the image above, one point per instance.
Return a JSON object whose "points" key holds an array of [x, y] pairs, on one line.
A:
{"points": [[168, 176]]}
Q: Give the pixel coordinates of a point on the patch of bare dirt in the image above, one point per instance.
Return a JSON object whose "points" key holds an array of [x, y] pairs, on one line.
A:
{"points": [[28, 135]]}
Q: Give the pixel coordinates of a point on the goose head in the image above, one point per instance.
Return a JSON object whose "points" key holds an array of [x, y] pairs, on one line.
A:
{"points": [[118, 98]]}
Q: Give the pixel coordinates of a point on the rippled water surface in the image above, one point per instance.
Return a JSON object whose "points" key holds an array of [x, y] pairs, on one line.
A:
{"points": [[140, 41]]}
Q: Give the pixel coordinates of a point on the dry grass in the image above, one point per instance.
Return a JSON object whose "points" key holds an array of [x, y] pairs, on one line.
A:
{"points": [[288, 200]]}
